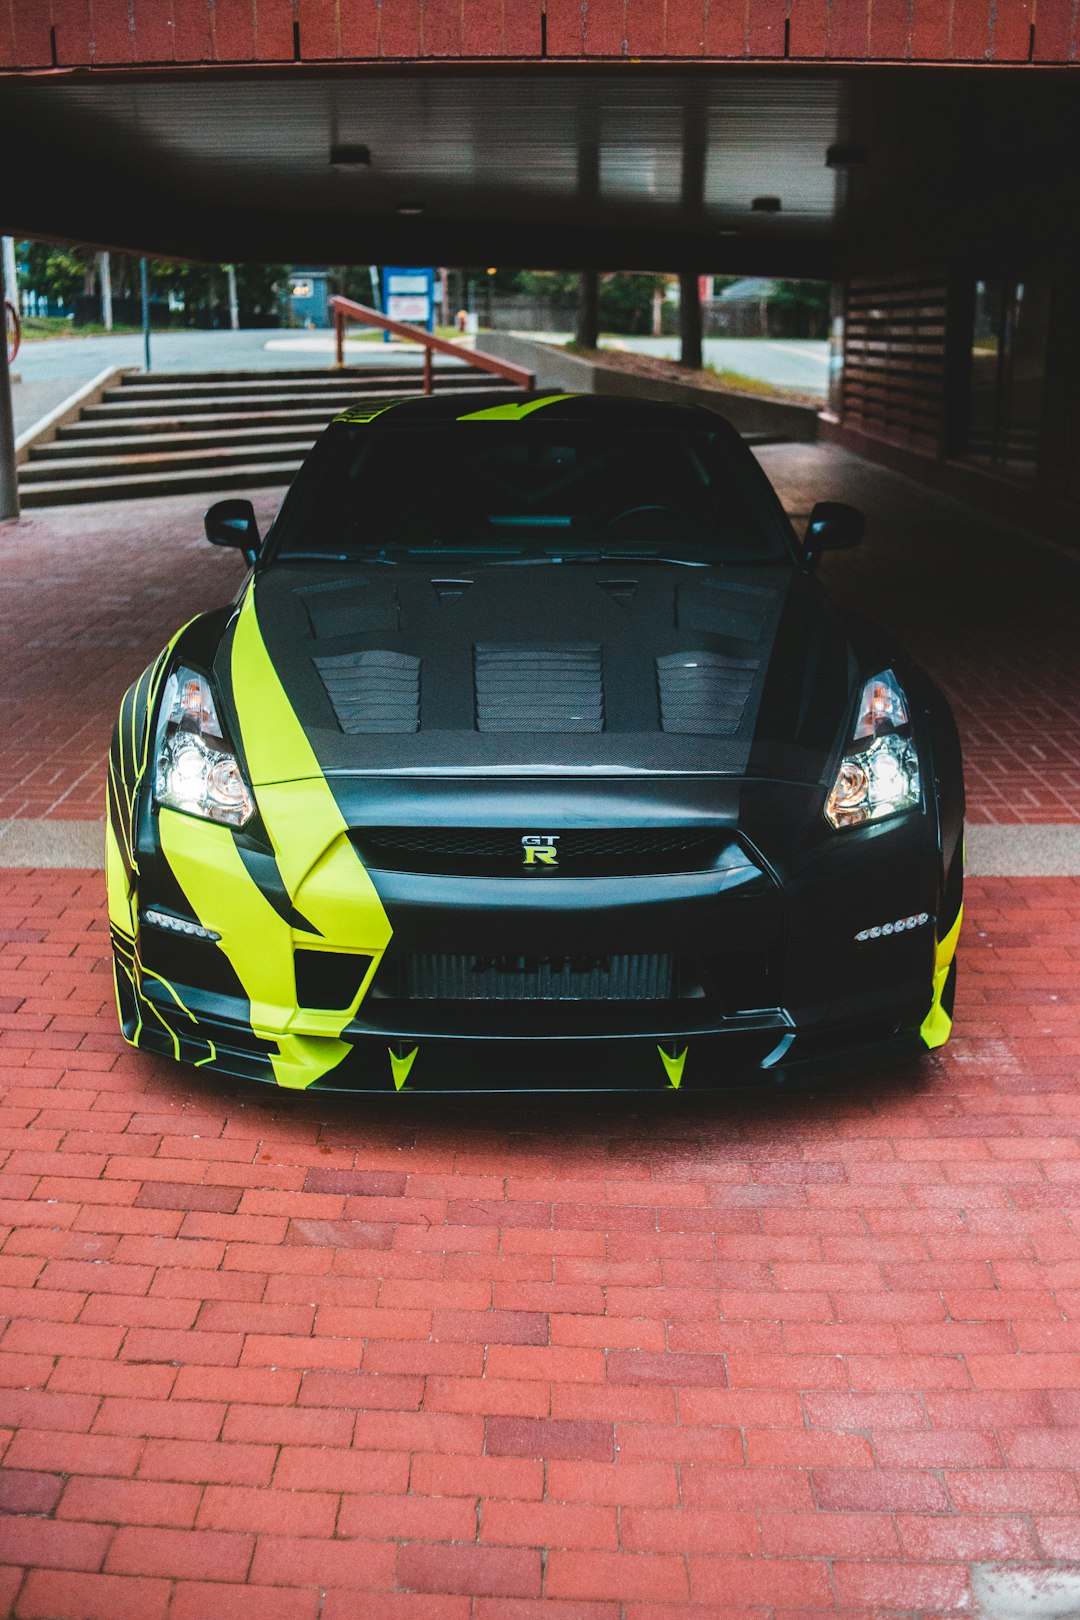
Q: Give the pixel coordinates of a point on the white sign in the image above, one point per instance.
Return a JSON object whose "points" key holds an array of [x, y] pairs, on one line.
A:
{"points": [[407, 308]]}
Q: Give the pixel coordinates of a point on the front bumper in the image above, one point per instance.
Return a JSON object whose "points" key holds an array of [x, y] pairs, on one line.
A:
{"points": [[754, 1052], [806, 1000]]}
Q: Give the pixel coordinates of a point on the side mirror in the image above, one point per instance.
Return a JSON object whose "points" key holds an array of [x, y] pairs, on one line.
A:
{"points": [[833, 526], [232, 523]]}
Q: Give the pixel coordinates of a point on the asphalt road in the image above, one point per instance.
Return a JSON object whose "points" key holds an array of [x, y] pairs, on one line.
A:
{"points": [[801, 364]]}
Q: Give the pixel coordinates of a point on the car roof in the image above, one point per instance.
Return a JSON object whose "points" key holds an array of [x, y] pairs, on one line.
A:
{"points": [[525, 406]]}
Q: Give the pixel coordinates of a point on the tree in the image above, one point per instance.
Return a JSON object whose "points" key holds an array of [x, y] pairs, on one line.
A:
{"points": [[626, 302]]}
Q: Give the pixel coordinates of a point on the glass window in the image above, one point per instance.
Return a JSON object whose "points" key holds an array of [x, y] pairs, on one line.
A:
{"points": [[1008, 373], [519, 491]]}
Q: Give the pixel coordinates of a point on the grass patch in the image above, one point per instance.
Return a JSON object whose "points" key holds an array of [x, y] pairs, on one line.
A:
{"points": [[36, 327], [651, 365]]}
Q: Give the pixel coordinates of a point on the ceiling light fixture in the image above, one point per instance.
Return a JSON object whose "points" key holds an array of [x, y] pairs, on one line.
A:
{"points": [[410, 209], [348, 155]]}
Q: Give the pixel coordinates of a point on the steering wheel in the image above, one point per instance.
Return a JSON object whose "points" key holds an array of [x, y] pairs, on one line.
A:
{"points": [[642, 511]]}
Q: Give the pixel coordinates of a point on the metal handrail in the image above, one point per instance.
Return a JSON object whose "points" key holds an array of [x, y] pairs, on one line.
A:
{"points": [[13, 332], [346, 309]]}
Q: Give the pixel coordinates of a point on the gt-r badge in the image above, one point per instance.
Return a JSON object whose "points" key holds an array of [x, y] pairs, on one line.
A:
{"points": [[538, 849]]}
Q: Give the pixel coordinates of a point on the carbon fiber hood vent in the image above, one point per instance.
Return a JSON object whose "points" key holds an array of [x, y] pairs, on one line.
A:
{"points": [[374, 692], [544, 671], [538, 688], [704, 693]]}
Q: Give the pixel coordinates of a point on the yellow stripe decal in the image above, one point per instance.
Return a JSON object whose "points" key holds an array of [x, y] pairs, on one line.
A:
{"points": [[514, 413], [325, 879], [937, 1025], [400, 1066], [673, 1066], [362, 413]]}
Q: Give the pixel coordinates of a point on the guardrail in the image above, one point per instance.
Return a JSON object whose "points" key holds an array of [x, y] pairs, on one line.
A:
{"points": [[345, 310]]}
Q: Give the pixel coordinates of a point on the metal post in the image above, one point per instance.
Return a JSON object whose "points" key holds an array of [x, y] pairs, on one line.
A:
{"points": [[144, 289], [105, 274], [11, 274], [429, 379], [234, 302], [339, 337], [9, 480]]}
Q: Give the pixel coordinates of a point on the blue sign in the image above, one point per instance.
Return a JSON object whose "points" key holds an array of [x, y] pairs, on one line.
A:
{"points": [[409, 295]]}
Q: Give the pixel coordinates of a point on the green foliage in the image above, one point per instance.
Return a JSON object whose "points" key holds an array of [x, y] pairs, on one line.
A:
{"points": [[626, 302], [808, 295], [554, 284], [353, 281], [66, 273]]}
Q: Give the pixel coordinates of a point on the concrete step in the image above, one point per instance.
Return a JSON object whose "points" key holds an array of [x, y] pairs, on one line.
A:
{"points": [[124, 404], [115, 466], [157, 434], [286, 374], [93, 429], [328, 383], [144, 443], [259, 475]]}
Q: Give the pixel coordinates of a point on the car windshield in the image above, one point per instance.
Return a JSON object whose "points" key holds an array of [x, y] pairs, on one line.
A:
{"points": [[560, 491]]}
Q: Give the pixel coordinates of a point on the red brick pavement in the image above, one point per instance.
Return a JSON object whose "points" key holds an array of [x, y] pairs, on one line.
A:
{"points": [[88, 596], [281, 1356], [91, 593]]}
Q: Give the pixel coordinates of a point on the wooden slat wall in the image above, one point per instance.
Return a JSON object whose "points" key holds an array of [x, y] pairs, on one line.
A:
{"points": [[894, 360], [99, 33]]}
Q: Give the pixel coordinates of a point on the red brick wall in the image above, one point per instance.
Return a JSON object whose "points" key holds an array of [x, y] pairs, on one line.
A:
{"points": [[82, 33]]}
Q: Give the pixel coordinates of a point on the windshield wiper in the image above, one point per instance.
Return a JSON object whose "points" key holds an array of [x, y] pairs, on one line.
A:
{"points": [[333, 556], [635, 557]]}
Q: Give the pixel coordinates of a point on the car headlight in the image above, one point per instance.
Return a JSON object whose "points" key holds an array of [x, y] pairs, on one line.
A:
{"points": [[195, 770], [879, 774]]}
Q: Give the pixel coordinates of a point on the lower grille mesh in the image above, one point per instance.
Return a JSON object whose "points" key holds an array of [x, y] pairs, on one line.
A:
{"points": [[532, 978]]}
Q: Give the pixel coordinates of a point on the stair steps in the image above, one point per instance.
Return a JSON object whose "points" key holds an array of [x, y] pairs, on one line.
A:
{"points": [[180, 433]]}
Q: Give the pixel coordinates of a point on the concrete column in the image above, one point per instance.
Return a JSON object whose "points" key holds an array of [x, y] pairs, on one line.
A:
{"points": [[588, 323], [9, 483], [105, 277], [690, 320], [234, 302]]}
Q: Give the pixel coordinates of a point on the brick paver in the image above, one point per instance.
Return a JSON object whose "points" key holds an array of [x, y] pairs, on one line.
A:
{"points": [[282, 1356], [89, 594]]}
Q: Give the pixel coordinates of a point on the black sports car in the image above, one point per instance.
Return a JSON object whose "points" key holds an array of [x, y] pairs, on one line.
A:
{"points": [[531, 754]]}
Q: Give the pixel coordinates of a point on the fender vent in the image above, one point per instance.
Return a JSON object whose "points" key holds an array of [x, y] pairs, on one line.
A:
{"points": [[373, 691], [343, 607], [703, 693], [538, 688]]}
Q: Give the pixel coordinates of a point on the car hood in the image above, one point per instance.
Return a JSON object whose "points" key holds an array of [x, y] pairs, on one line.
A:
{"points": [[583, 669]]}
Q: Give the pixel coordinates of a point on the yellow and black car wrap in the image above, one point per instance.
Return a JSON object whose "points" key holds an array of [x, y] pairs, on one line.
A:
{"points": [[493, 812]]}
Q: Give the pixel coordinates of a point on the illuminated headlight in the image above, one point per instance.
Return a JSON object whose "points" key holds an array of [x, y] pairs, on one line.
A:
{"points": [[195, 770], [878, 777]]}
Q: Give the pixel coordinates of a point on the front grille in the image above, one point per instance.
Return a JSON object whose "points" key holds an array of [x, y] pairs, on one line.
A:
{"points": [[539, 978], [499, 852]]}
